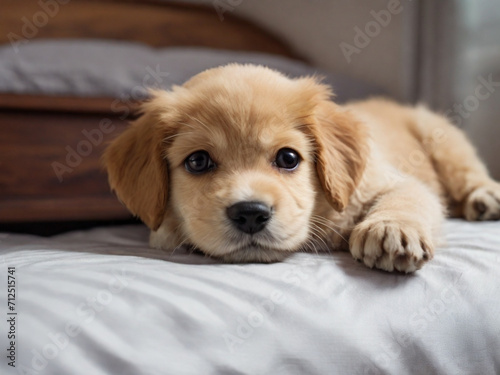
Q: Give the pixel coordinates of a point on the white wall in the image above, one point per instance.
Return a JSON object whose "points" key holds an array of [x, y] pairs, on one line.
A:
{"points": [[316, 28]]}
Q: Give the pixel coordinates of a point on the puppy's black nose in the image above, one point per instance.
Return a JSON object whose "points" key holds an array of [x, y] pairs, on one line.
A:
{"points": [[249, 217]]}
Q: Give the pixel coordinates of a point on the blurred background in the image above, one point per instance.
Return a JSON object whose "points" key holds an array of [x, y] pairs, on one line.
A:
{"points": [[72, 71], [435, 52]]}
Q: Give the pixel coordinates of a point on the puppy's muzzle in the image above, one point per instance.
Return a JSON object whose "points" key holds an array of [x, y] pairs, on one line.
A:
{"points": [[249, 217]]}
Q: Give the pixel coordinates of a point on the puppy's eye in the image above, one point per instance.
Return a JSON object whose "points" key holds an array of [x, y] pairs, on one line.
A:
{"points": [[287, 159], [199, 162]]}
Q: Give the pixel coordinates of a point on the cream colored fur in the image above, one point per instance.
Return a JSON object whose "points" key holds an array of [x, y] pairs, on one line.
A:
{"points": [[375, 177]]}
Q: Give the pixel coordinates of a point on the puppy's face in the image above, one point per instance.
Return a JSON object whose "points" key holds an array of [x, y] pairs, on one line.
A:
{"points": [[242, 181], [235, 161]]}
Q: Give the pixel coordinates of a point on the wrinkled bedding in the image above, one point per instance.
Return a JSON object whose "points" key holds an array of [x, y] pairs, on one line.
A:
{"points": [[101, 302]]}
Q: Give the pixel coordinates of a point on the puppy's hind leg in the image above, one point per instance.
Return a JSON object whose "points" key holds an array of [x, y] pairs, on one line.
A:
{"points": [[462, 174]]}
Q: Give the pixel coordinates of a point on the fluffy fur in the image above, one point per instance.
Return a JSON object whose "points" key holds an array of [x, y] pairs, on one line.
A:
{"points": [[374, 176]]}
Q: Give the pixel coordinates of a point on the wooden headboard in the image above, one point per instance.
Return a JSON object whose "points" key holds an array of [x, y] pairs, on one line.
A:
{"points": [[154, 22], [42, 178]]}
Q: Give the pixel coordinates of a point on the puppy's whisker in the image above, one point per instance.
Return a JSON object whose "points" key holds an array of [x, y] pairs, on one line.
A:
{"points": [[318, 233], [165, 140], [309, 245], [322, 244], [208, 128], [312, 243], [318, 218], [178, 246], [188, 125], [315, 225], [328, 224], [199, 122]]}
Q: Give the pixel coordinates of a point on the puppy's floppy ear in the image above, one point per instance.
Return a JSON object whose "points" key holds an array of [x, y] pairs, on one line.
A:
{"points": [[341, 145], [137, 169]]}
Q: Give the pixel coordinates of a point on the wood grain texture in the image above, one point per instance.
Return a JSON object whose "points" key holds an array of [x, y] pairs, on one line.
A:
{"points": [[155, 23], [51, 169], [75, 104]]}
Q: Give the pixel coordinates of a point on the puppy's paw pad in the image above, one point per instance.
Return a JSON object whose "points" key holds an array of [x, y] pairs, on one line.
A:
{"points": [[483, 203], [390, 246]]}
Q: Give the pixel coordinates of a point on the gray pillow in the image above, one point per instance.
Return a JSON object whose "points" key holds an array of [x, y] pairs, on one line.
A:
{"points": [[105, 68]]}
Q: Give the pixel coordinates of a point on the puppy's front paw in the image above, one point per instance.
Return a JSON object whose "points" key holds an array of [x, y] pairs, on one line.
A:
{"points": [[483, 203], [391, 245]]}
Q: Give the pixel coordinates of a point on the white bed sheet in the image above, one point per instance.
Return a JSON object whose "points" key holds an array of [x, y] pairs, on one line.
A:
{"points": [[101, 302]]}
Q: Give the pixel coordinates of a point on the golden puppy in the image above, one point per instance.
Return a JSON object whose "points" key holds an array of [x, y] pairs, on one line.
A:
{"points": [[246, 164]]}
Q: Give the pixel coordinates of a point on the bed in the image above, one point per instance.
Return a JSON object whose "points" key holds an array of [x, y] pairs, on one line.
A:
{"points": [[93, 298]]}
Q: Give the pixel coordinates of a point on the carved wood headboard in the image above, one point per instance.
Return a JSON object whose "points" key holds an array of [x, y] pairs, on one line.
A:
{"points": [[39, 134]]}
